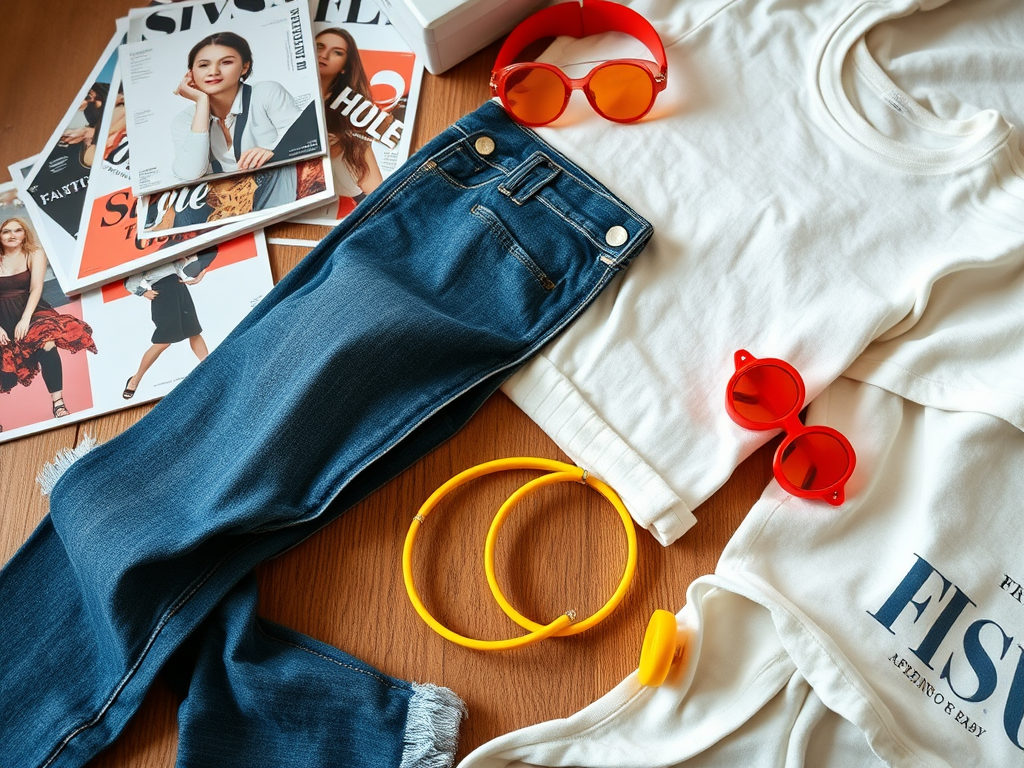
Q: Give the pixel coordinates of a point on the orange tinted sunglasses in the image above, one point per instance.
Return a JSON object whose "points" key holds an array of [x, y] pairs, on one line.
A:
{"points": [[621, 90], [811, 462]]}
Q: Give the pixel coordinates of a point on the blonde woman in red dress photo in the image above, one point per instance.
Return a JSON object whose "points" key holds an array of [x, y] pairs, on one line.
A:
{"points": [[31, 331]]}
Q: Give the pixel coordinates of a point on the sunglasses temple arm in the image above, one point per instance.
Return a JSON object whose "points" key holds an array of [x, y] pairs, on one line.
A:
{"points": [[561, 19], [742, 357], [599, 16], [592, 17]]}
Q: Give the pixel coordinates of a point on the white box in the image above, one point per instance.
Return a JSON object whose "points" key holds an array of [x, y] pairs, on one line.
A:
{"points": [[444, 32]]}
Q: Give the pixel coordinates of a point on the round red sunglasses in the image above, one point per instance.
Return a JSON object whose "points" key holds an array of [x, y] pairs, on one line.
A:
{"points": [[811, 462], [621, 90]]}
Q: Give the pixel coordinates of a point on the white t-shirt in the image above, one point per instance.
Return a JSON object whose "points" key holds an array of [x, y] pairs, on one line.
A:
{"points": [[805, 203], [889, 630]]}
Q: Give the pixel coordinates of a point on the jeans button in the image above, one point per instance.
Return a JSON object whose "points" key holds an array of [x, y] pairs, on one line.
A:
{"points": [[616, 236], [484, 145]]}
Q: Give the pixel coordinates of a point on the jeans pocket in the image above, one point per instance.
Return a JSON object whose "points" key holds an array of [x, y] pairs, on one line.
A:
{"points": [[463, 168], [510, 244]]}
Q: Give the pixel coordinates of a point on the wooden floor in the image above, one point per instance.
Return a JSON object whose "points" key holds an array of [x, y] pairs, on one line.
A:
{"points": [[562, 549]]}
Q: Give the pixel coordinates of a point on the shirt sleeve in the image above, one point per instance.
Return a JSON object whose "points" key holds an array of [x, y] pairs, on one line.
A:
{"points": [[191, 149], [180, 264], [277, 106], [136, 284]]}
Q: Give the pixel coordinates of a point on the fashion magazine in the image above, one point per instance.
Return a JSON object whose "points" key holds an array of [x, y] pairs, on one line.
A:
{"points": [[369, 127], [109, 249], [258, 197], [370, 81], [56, 188], [212, 92], [102, 244], [64, 360]]}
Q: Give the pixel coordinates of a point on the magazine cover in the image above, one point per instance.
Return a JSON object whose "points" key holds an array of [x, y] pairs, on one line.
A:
{"points": [[107, 246], [110, 249], [258, 197], [370, 81], [383, 67], [127, 343], [56, 188], [238, 92]]}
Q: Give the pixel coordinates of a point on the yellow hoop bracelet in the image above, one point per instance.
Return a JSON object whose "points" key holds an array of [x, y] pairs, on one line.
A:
{"points": [[559, 472]]}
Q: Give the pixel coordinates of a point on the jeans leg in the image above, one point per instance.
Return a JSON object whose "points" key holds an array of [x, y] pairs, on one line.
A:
{"points": [[372, 350], [261, 694], [46, 635], [226, 665]]}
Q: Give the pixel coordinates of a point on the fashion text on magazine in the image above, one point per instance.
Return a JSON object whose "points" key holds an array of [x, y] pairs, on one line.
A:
{"points": [[109, 249]]}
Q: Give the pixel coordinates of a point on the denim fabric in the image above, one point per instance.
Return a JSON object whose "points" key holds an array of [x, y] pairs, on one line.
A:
{"points": [[260, 694], [372, 351]]}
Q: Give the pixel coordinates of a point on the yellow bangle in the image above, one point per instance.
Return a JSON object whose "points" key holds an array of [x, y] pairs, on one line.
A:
{"points": [[562, 626]]}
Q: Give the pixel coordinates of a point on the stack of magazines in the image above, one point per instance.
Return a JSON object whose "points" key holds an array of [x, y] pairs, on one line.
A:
{"points": [[201, 124]]}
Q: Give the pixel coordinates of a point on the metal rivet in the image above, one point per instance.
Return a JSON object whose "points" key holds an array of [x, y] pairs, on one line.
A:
{"points": [[616, 236], [484, 145]]}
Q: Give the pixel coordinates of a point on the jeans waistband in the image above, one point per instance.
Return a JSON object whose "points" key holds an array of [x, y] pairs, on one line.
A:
{"points": [[487, 142]]}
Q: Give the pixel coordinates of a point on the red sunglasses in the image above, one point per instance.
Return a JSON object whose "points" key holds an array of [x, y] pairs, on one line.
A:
{"points": [[622, 90], [811, 462]]}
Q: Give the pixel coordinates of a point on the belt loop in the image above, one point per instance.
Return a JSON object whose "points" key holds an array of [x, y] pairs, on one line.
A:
{"points": [[529, 177]]}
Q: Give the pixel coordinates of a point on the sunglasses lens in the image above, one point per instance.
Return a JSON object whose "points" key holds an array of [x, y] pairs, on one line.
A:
{"points": [[815, 461], [621, 91], [534, 95], [764, 394]]}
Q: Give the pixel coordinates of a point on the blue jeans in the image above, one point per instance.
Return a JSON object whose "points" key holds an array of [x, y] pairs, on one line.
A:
{"points": [[372, 351]]}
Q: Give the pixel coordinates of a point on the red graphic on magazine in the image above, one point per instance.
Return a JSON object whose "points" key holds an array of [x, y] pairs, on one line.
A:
{"points": [[366, 93], [227, 253], [379, 117], [111, 236]]}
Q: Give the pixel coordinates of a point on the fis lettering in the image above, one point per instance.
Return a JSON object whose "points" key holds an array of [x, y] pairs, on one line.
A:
{"points": [[978, 662]]}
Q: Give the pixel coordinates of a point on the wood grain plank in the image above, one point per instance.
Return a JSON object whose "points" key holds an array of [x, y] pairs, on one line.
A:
{"points": [[49, 49], [22, 506]]}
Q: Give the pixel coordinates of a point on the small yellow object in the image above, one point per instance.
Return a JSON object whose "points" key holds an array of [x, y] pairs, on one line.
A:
{"points": [[559, 472], [660, 649]]}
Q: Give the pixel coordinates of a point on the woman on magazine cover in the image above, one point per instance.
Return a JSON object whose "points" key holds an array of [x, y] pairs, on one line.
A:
{"points": [[30, 329], [355, 168], [172, 310], [118, 131], [86, 122], [231, 125]]}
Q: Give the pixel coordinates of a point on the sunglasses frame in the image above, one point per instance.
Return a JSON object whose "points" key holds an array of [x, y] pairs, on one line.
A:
{"points": [[793, 428], [499, 83], [580, 18]]}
